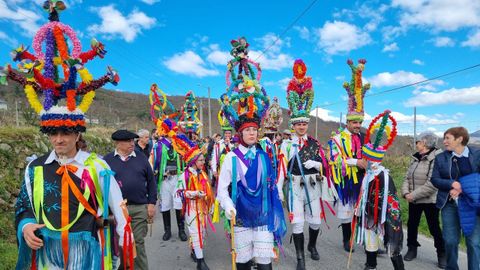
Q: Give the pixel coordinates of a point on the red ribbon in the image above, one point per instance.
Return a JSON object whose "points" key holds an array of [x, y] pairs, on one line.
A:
{"points": [[128, 245]]}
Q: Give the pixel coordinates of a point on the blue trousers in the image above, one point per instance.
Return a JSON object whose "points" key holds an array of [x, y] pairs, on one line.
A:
{"points": [[451, 236]]}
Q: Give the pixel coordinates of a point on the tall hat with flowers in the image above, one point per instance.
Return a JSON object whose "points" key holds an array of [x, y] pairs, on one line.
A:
{"points": [[40, 74], [382, 126], [224, 123], [274, 118], [160, 107], [189, 121], [245, 103], [356, 91], [300, 94]]}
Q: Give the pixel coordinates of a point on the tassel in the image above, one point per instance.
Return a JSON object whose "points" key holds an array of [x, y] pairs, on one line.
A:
{"points": [[216, 212]]}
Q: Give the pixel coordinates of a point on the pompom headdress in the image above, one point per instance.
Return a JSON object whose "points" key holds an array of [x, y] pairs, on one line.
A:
{"points": [[373, 149], [239, 52], [245, 103], [224, 124], [181, 144], [356, 91], [39, 74], [160, 107], [300, 94], [274, 118], [189, 121]]}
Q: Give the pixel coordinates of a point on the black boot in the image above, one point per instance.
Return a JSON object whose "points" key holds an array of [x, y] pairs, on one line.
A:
{"points": [[243, 266], [264, 266], [442, 260], [312, 243], [193, 256], [411, 254], [181, 225], [201, 265], [167, 225], [347, 234], [371, 260], [397, 262], [298, 240]]}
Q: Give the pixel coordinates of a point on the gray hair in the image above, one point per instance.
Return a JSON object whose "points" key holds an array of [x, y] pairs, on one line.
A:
{"points": [[429, 138], [143, 132]]}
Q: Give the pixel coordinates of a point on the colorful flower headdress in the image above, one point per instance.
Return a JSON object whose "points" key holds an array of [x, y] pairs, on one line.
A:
{"points": [[160, 107], [375, 151], [39, 73], [181, 144], [251, 102], [356, 91], [245, 65], [300, 94], [189, 121], [224, 124], [274, 118]]}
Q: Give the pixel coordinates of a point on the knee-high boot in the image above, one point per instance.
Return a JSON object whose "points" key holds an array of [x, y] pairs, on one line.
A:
{"points": [[181, 225], [298, 240], [347, 234], [397, 262], [244, 266], [312, 244], [264, 266], [167, 225], [371, 260]]}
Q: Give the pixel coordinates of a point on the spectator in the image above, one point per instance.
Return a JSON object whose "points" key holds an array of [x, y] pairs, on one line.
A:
{"points": [[143, 143]]}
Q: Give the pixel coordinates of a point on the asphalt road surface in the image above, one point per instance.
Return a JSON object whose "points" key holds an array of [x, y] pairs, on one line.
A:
{"points": [[174, 254]]}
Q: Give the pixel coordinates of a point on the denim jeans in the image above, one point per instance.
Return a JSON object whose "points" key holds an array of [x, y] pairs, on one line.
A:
{"points": [[451, 235]]}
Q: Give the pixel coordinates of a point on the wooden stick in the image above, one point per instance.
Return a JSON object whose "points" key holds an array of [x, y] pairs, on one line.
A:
{"points": [[232, 241]]}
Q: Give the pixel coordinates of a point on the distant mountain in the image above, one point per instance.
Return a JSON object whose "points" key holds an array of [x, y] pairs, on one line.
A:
{"points": [[475, 134]]}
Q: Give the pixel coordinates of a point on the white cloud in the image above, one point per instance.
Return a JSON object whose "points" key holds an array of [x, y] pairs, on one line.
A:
{"points": [[443, 42], [189, 63], [340, 78], [283, 83], [26, 19], [421, 118], [273, 43], [219, 57], [473, 39], [303, 31], [324, 114], [397, 78], [418, 62], [115, 24], [150, 2], [438, 15], [340, 37], [391, 47], [463, 96], [12, 42], [272, 62]]}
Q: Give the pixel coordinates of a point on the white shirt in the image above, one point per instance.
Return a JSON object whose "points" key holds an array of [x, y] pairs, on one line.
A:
{"points": [[225, 177], [114, 194], [132, 154], [218, 148], [463, 154]]}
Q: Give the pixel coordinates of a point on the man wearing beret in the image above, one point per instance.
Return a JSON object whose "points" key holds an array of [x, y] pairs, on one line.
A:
{"points": [[135, 178]]}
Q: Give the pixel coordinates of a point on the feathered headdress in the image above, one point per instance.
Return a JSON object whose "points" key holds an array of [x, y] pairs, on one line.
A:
{"points": [[39, 73], [160, 107], [189, 121], [375, 151], [224, 124], [356, 91], [274, 118], [300, 94], [245, 103], [181, 144]]}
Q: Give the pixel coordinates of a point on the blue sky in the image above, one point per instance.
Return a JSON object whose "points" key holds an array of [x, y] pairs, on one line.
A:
{"points": [[184, 45]]}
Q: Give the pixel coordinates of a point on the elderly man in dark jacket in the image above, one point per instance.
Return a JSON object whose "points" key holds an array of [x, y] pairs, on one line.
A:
{"points": [[458, 160]]}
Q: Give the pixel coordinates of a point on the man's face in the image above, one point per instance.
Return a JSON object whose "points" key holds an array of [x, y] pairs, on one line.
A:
{"points": [[64, 143], [250, 135], [125, 147], [300, 128], [354, 126], [144, 139], [227, 135], [286, 136]]}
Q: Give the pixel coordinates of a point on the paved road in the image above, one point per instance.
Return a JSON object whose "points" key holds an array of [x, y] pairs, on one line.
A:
{"points": [[174, 254]]}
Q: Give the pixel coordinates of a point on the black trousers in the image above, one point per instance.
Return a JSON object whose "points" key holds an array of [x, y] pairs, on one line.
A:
{"points": [[432, 215]]}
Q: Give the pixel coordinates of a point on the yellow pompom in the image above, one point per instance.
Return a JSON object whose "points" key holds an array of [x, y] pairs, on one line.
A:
{"points": [[33, 99], [86, 101], [85, 75]]}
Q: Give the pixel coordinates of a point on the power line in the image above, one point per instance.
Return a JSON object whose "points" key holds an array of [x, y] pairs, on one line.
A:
{"points": [[411, 84], [288, 28]]}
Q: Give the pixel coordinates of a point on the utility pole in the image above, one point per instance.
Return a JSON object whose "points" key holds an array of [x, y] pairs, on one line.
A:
{"points": [[340, 122], [201, 117], [414, 127], [209, 115]]}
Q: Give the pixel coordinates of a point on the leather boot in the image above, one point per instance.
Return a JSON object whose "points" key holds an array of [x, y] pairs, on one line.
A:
{"points": [[411, 254], [181, 225], [167, 225], [371, 263], [243, 266], [347, 234], [397, 262], [264, 266], [298, 240], [312, 244], [201, 265], [442, 260], [193, 256]]}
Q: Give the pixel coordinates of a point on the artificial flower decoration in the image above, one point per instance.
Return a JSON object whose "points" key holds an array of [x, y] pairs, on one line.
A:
{"points": [[273, 118], [356, 91], [375, 151], [300, 94], [189, 121], [245, 65], [40, 74]]}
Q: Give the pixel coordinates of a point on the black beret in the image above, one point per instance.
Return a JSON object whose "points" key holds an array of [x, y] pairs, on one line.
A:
{"points": [[123, 135]]}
